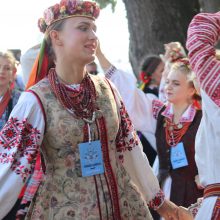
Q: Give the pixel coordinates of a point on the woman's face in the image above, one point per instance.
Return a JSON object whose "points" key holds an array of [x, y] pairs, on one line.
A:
{"points": [[156, 76], [78, 39], [6, 72], [177, 88]]}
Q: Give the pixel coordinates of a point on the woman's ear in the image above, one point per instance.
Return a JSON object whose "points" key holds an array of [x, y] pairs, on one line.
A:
{"points": [[55, 38]]}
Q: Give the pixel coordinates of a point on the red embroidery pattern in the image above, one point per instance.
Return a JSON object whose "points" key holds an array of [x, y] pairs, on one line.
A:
{"points": [[126, 138], [108, 168], [157, 105], [216, 211], [203, 32], [19, 146], [157, 201]]}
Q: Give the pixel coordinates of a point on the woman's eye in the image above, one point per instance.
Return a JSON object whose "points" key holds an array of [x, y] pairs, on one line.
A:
{"points": [[83, 28], [176, 84]]}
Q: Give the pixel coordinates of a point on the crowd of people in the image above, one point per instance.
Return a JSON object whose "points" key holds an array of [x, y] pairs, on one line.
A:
{"points": [[76, 144]]}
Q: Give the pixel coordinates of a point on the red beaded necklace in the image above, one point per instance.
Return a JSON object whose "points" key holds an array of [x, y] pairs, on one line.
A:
{"points": [[174, 132], [81, 103]]}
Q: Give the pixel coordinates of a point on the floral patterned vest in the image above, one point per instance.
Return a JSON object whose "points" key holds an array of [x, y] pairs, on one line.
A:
{"points": [[64, 193]]}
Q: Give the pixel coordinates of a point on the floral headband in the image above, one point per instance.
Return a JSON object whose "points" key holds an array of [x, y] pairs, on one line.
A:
{"points": [[68, 8], [182, 62]]}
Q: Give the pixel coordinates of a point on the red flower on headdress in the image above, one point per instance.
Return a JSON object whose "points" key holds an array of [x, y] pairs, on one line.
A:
{"points": [[63, 3], [144, 77], [183, 61], [71, 6], [48, 16], [56, 10]]}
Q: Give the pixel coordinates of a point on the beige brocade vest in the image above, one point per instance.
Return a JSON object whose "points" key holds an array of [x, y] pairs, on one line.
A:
{"points": [[64, 193]]}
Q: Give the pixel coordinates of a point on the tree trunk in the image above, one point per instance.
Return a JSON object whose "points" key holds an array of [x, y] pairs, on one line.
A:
{"points": [[152, 23], [210, 5]]}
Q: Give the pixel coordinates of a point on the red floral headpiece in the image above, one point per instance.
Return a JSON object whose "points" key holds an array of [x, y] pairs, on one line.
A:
{"points": [[68, 8], [182, 62], [144, 77]]}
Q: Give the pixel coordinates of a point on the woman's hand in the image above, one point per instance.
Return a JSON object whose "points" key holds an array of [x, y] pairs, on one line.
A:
{"points": [[169, 211], [197, 180], [184, 214]]}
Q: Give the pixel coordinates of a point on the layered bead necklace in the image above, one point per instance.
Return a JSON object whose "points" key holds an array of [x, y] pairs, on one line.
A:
{"points": [[81, 104], [174, 132]]}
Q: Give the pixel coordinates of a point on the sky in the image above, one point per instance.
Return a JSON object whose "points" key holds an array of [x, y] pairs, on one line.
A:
{"points": [[18, 19]]}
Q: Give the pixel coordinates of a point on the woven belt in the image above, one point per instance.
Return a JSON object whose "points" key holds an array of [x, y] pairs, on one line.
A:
{"points": [[212, 190]]}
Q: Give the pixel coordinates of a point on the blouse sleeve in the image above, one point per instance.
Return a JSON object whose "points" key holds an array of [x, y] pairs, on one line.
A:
{"points": [[203, 33], [20, 139], [138, 104], [130, 154]]}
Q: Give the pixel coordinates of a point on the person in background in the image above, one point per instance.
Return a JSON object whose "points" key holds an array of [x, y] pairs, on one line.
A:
{"points": [[8, 94], [19, 84], [150, 75], [203, 34], [152, 68], [94, 164], [92, 68], [173, 52], [174, 124], [8, 99]]}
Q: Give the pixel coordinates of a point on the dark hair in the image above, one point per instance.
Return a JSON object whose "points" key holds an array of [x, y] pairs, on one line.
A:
{"points": [[150, 64]]}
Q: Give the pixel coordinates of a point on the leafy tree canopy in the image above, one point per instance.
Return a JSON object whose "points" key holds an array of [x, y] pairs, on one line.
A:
{"points": [[104, 3]]}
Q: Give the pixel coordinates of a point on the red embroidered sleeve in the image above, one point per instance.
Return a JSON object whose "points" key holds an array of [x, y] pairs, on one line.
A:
{"points": [[19, 146], [203, 33], [126, 138], [157, 201], [157, 105]]}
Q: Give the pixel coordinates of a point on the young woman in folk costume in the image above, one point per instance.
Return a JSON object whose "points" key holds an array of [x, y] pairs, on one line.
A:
{"points": [[174, 124], [203, 34], [93, 160], [8, 96], [150, 75]]}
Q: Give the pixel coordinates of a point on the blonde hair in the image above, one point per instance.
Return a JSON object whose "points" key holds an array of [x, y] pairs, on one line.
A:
{"points": [[183, 66], [9, 56]]}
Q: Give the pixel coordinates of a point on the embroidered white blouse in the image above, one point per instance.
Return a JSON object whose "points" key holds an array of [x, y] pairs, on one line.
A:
{"points": [[203, 33]]}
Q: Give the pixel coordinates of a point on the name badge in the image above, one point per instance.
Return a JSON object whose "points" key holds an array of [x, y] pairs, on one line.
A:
{"points": [[91, 158], [178, 156]]}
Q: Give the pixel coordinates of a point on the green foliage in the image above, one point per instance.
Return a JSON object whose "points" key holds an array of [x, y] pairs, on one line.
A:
{"points": [[104, 3]]}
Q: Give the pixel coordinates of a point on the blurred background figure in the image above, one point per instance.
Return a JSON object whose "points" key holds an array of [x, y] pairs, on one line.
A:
{"points": [[8, 94], [152, 68], [92, 68], [27, 61]]}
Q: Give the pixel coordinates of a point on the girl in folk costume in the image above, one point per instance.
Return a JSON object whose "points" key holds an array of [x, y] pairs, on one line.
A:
{"points": [[174, 124], [92, 157], [173, 52], [151, 71], [8, 95], [203, 34]]}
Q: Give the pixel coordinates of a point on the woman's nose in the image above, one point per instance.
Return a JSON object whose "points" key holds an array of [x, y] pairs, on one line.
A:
{"points": [[93, 35]]}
